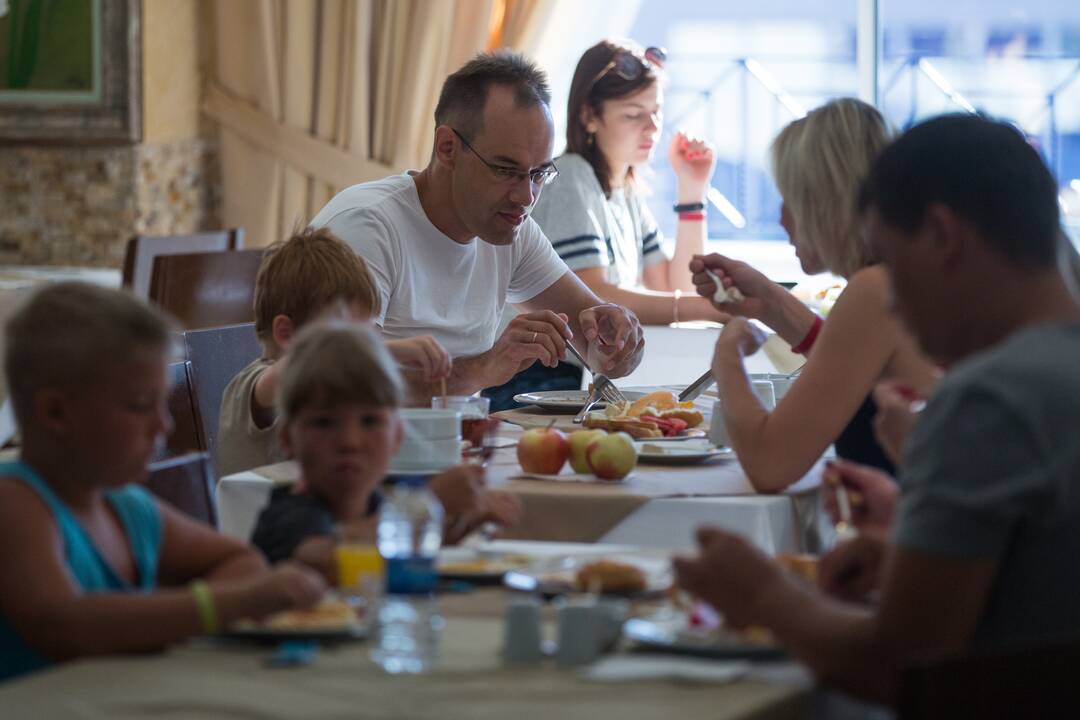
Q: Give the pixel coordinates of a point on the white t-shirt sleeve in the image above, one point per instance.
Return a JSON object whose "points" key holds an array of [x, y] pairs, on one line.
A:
{"points": [[536, 265], [367, 233]]}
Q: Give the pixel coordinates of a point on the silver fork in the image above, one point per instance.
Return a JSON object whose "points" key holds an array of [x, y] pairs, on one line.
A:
{"points": [[601, 383]]}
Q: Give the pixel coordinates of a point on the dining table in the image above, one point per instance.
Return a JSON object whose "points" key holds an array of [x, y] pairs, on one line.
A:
{"points": [[220, 678], [657, 506]]}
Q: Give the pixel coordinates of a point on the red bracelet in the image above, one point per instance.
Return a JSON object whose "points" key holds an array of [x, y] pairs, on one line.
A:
{"points": [[808, 342], [692, 216]]}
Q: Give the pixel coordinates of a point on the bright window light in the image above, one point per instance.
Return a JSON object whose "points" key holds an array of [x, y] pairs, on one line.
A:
{"points": [[726, 208]]}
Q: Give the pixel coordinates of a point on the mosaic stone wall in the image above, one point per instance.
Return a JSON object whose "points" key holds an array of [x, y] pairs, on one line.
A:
{"points": [[79, 205]]}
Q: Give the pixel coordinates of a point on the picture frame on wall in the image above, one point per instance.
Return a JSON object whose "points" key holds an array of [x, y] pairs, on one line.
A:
{"points": [[70, 71]]}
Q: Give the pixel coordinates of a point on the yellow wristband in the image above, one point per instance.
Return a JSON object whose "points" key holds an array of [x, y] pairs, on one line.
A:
{"points": [[204, 604]]}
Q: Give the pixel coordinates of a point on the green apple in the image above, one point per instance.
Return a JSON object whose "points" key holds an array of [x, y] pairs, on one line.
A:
{"points": [[612, 457], [579, 442]]}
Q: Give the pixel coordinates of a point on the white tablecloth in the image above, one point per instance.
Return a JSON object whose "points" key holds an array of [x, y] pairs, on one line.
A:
{"points": [[719, 495]]}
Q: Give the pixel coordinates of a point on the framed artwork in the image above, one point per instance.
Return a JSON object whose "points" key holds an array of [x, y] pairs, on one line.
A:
{"points": [[70, 71]]}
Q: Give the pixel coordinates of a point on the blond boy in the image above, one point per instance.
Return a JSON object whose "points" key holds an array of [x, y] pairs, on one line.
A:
{"points": [[311, 275], [92, 563], [338, 403]]}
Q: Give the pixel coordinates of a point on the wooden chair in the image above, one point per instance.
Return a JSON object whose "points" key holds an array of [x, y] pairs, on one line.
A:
{"points": [[187, 483], [206, 289], [142, 249], [217, 355], [1032, 682], [188, 434]]}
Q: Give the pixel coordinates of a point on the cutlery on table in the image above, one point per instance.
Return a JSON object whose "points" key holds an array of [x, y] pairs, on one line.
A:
{"points": [[845, 528], [601, 384], [697, 387], [594, 398]]}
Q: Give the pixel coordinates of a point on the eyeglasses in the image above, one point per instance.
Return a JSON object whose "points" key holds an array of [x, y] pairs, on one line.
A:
{"points": [[629, 65], [510, 175]]}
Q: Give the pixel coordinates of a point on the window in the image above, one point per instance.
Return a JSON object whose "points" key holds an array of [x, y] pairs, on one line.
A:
{"points": [[1015, 61], [736, 76], [739, 72]]}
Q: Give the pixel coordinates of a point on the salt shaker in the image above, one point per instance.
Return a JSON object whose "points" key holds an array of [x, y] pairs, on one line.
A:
{"points": [[579, 642], [717, 430], [521, 635]]}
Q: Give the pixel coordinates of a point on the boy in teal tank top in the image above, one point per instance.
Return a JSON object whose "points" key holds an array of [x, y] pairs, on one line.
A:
{"points": [[93, 563]]}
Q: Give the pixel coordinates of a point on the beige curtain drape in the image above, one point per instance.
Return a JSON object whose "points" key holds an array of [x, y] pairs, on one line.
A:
{"points": [[314, 95]]}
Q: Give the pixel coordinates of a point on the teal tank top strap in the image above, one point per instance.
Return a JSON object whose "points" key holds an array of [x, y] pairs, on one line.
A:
{"points": [[81, 556], [23, 471], [141, 517]]}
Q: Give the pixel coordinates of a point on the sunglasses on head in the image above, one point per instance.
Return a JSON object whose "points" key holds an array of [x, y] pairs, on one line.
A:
{"points": [[630, 65]]}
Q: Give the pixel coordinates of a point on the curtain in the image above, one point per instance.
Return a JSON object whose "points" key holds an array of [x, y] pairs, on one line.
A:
{"points": [[314, 95]]}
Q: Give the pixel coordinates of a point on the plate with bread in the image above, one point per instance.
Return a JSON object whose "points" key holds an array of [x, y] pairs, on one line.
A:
{"points": [[332, 619], [656, 416], [479, 567], [675, 631], [568, 401], [633, 576]]}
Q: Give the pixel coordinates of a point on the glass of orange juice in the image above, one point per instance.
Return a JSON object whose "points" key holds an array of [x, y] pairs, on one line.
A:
{"points": [[360, 569]]}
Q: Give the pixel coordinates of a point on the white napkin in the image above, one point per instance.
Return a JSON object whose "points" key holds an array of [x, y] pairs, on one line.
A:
{"points": [[632, 668]]}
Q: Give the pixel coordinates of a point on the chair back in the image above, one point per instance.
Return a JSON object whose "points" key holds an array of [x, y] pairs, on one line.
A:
{"points": [[142, 249], [217, 355], [1032, 682], [187, 483], [188, 434], [206, 289]]}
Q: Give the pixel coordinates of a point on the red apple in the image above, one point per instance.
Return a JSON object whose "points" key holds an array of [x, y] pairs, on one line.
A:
{"points": [[612, 457], [579, 443], [542, 451]]}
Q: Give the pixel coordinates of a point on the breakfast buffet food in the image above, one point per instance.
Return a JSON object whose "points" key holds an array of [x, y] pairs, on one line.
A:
{"points": [[658, 414], [330, 614], [610, 576]]}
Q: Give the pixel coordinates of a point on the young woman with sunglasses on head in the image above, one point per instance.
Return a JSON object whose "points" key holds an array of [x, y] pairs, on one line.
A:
{"points": [[595, 214]]}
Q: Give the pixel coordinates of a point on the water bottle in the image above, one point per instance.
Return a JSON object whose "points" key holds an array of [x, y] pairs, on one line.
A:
{"points": [[408, 624]]}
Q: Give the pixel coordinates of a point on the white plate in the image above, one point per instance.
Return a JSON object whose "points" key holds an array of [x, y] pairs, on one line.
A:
{"points": [[567, 400], [472, 564], [688, 452], [667, 631], [556, 576]]}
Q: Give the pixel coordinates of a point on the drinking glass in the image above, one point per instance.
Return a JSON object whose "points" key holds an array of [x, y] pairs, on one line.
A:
{"points": [[474, 415]]}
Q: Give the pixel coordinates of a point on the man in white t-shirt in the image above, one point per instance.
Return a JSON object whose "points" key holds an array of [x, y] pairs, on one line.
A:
{"points": [[449, 246]]}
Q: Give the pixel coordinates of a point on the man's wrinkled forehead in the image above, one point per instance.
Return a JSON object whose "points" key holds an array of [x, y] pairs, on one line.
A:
{"points": [[521, 135]]}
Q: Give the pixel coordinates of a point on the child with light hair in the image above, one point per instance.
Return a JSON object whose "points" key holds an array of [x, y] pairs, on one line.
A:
{"points": [[311, 275], [338, 407], [92, 563]]}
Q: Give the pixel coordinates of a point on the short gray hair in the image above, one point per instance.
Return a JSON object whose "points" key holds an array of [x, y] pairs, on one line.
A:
{"points": [[464, 94]]}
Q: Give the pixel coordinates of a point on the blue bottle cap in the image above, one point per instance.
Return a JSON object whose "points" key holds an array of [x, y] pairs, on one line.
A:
{"points": [[413, 481]]}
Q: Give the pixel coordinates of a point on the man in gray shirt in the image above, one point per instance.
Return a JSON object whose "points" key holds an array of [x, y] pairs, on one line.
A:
{"points": [[986, 538]]}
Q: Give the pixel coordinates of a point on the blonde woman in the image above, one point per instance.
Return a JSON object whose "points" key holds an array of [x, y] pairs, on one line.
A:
{"points": [[818, 162]]}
